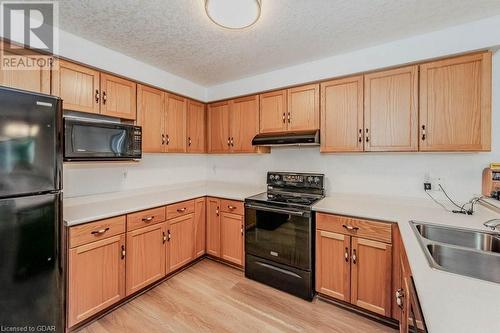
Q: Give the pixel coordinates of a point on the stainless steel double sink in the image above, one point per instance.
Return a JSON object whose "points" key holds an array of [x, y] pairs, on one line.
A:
{"points": [[472, 253]]}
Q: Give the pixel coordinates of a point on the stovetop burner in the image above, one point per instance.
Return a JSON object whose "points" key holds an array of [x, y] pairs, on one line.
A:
{"points": [[293, 199]]}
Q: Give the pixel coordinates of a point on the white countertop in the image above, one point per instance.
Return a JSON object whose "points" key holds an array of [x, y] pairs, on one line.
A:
{"points": [[84, 209], [450, 302]]}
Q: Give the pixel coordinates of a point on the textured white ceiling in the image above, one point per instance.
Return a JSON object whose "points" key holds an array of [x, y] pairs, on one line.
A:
{"points": [[177, 36]]}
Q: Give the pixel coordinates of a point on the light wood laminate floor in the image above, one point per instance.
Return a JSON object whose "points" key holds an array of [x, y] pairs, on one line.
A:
{"points": [[211, 297]]}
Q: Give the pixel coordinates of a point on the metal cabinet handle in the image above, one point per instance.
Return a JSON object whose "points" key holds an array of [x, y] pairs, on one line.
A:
{"points": [[284, 115], [169, 235], [168, 139], [346, 254], [242, 230], [354, 257], [423, 133], [217, 211], [97, 96], [232, 142], [148, 219], [189, 141], [350, 227], [367, 137], [164, 237], [360, 135], [400, 294], [99, 232], [231, 207], [162, 139], [229, 141], [123, 252], [181, 210], [289, 117], [104, 98]]}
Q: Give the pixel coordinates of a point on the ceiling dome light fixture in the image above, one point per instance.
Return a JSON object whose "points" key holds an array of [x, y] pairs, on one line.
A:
{"points": [[233, 14]]}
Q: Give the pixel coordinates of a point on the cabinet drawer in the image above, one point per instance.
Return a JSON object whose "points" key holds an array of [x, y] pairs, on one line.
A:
{"points": [[180, 209], [94, 231], [380, 231], [145, 218], [232, 206]]}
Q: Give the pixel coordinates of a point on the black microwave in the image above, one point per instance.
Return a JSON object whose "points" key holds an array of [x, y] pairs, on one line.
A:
{"points": [[93, 140]]}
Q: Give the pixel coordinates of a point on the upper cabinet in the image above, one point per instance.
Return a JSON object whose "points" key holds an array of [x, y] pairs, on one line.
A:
{"points": [[391, 110], [36, 79], [273, 112], [150, 115], [294, 109], [175, 123], [78, 86], [233, 124], [87, 90], [196, 129], [342, 115], [118, 97], [455, 104], [303, 108]]}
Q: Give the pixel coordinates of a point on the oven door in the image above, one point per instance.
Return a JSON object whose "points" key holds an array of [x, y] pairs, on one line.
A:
{"points": [[279, 234], [90, 140]]}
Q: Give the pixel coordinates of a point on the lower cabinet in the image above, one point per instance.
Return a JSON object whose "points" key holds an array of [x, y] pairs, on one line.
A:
{"points": [[146, 249], [351, 268], [225, 220], [180, 236], [96, 277], [200, 219]]}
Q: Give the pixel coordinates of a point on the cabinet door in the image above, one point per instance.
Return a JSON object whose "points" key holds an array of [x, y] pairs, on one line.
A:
{"points": [[231, 238], [391, 110], [455, 104], [96, 277], [303, 108], [196, 127], [273, 111], [333, 271], [175, 124], [150, 115], [342, 115], [118, 97], [181, 241], [244, 123], [78, 86], [218, 128], [213, 227], [145, 256], [371, 275], [37, 79], [200, 205]]}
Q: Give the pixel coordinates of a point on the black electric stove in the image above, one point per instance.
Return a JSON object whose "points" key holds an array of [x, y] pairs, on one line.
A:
{"points": [[279, 232]]}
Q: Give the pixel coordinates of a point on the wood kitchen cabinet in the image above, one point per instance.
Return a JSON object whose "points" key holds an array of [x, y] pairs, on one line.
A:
{"points": [[118, 97], [196, 127], [391, 110], [96, 277], [145, 256], [36, 79], [213, 226], [455, 104], [342, 115], [218, 127], [273, 111], [295, 109], [180, 235], [175, 123], [200, 228], [354, 261], [231, 238], [150, 115]]}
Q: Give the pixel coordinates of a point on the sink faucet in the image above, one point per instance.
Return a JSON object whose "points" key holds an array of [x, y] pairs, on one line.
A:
{"points": [[492, 224]]}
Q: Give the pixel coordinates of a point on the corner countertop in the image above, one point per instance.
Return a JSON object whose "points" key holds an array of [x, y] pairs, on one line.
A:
{"points": [[78, 210], [450, 302]]}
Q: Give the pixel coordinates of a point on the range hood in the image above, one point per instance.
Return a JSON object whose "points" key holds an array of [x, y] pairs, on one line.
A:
{"points": [[307, 138]]}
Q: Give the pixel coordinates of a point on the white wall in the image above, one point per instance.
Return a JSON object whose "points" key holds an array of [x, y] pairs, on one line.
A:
{"points": [[375, 173], [152, 170]]}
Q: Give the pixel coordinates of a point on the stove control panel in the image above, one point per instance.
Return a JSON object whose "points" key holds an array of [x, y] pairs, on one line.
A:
{"points": [[289, 179]]}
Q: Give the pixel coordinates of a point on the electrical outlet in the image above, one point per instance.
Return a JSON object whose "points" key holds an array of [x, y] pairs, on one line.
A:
{"points": [[427, 186], [431, 183]]}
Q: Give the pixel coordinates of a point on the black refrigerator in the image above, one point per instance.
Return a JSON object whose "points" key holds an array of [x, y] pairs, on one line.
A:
{"points": [[32, 276]]}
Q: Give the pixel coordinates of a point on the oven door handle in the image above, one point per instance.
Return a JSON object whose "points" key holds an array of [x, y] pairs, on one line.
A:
{"points": [[276, 210]]}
